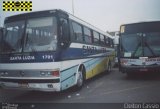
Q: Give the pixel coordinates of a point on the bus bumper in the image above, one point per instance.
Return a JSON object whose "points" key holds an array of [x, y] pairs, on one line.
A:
{"points": [[138, 69], [55, 87]]}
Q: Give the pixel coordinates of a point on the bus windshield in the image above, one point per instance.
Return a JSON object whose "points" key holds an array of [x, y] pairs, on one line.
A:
{"points": [[141, 44], [13, 34], [37, 34], [152, 45]]}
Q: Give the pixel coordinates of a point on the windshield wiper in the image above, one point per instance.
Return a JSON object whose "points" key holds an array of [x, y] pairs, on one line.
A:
{"points": [[139, 44], [150, 48], [26, 39]]}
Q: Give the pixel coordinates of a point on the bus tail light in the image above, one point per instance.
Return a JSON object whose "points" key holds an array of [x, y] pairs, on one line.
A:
{"points": [[55, 73]]}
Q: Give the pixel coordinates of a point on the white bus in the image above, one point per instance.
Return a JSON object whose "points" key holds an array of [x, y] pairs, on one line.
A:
{"points": [[139, 49], [51, 51]]}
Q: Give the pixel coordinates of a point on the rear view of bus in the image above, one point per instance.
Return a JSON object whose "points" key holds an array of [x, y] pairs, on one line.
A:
{"points": [[139, 49]]}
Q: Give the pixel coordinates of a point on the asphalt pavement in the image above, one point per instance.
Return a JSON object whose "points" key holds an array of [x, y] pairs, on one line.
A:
{"points": [[114, 87]]}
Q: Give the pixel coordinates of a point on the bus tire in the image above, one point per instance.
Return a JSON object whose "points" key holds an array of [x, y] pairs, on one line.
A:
{"points": [[80, 78]]}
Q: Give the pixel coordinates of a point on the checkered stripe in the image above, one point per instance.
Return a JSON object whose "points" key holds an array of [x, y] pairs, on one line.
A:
{"points": [[17, 5]]}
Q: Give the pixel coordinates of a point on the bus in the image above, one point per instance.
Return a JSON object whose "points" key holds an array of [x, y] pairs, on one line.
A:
{"points": [[139, 48], [52, 50]]}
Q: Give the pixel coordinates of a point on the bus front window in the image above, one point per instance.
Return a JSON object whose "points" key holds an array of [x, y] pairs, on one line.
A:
{"points": [[141, 44], [131, 45], [13, 37], [151, 44], [41, 34]]}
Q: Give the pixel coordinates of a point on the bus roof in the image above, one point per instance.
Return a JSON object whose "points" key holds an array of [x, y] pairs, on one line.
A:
{"points": [[140, 27], [88, 25], [140, 23], [49, 12]]}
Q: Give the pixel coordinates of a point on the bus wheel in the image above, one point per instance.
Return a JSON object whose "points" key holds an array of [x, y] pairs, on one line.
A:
{"points": [[109, 67], [80, 79]]}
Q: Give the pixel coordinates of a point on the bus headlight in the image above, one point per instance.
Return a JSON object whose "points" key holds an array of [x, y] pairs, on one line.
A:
{"points": [[50, 73], [6, 73], [3, 73], [45, 73]]}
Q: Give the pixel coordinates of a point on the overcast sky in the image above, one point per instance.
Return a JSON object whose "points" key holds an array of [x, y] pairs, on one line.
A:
{"points": [[107, 15]]}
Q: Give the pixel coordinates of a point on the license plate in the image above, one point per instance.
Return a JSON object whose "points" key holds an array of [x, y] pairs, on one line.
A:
{"points": [[23, 85], [143, 70]]}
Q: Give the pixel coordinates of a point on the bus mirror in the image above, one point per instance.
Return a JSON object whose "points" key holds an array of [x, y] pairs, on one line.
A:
{"points": [[65, 31], [64, 34]]}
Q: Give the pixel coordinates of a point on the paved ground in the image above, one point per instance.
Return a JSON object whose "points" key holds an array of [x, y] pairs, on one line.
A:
{"points": [[105, 88]]}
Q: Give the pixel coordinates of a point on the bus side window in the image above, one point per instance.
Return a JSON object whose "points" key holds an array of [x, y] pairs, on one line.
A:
{"points": [[77, 29], [96, 37], [112, 43], [87, 35], [107, 41], [102, 39]]}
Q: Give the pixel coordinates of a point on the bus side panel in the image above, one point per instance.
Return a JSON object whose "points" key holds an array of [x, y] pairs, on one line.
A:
{"points": [[68, 77], [96, 66]]}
